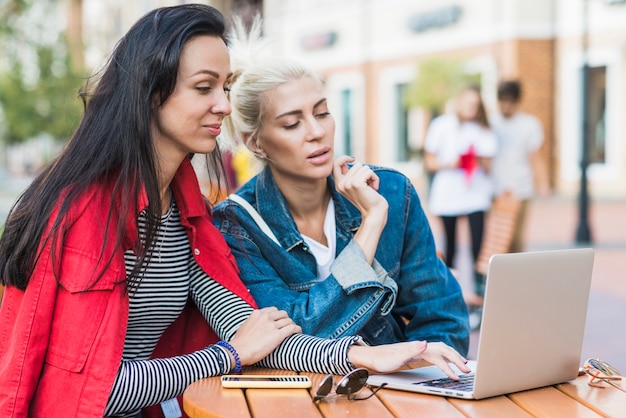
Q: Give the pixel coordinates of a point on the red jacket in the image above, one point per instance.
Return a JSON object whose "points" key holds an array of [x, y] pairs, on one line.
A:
{"points": [[61, 346]]}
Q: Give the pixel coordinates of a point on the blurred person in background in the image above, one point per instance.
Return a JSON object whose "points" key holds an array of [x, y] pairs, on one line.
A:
{"points": [[119, 291], [344, 247], [519, 168], [458, 150]]}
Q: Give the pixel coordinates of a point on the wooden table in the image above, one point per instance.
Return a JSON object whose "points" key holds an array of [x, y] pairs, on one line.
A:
{"points": [[206, 398]]}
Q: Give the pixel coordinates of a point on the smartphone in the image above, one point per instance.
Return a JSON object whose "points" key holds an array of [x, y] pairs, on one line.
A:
{"points": [[265, 381]]}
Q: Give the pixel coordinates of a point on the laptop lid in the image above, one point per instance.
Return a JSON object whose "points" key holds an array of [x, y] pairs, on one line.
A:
{"points": [[533, 324], [534, 318]]}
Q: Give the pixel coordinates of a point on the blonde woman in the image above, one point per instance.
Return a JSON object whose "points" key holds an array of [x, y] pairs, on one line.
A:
{"points": [[342, 246]]}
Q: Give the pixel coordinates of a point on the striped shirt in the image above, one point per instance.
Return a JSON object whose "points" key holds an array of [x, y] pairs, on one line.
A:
{"points": [[171, 276]]}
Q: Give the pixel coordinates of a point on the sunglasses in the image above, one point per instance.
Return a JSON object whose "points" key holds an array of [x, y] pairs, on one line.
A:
{"points": [[602, 372], [349, 385]]}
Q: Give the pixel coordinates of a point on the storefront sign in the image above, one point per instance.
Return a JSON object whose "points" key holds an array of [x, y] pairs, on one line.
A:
{"points": [[435, 19], [319, 40]]}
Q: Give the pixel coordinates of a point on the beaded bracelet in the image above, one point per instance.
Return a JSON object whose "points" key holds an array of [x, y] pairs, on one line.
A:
{"points": [[232, 350]]}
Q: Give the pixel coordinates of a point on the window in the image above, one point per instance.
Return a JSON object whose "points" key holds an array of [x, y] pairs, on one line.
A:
{"points": [[596, 114], [346, 113], [402, 125]]}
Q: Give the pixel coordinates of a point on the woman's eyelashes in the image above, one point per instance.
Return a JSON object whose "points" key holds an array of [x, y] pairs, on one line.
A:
{"points": [[207, 89], [203, 89], [292, 125], [319, 115]]}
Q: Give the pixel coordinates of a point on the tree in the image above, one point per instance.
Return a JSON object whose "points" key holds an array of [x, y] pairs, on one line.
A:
{"points": [[38, 81], [436, 81], [50, 106], [8, 10]]}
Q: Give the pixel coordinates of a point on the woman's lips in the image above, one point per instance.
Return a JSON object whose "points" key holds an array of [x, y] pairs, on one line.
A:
{"points": [[319, 156], [215, 129]]}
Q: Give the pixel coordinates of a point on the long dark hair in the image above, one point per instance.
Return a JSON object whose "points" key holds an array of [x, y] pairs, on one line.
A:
{"points": [[113, 142]]}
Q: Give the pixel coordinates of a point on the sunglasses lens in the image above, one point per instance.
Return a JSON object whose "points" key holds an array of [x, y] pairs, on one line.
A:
{"points": [[324, 389], [352, 382], [603, 367]]}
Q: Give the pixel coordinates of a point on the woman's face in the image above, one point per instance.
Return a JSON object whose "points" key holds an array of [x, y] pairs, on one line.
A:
{"points": [[467, 105], [190, 119], [297, 131]]}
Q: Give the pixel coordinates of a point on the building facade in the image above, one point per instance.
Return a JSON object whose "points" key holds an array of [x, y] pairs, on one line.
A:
{"points": [[605, 56], [369, 51], [105, 22]]}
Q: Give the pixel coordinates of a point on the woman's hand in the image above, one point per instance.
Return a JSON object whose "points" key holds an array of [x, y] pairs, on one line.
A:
{"points": [[359, 184], [261, 333], [393, 357], [441, 355]]}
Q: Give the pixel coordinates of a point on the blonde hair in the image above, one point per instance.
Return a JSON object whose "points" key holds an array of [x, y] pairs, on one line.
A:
{"points": [[255, 75]]}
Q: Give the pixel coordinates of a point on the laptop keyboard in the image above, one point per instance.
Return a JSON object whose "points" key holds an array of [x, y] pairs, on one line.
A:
{"points": [[465, 383]]}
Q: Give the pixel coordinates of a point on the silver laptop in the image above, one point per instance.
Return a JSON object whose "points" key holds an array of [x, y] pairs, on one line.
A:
{"points": [[532, 328]]}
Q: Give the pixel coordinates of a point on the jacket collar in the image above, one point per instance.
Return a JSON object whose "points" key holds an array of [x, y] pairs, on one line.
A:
{"points": [[187, 192], [185, 188], [272, 207]]}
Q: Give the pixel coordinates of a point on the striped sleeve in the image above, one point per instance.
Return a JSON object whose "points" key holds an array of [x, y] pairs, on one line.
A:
{"points": [[306, 353], [225, 312], [163, 379]]}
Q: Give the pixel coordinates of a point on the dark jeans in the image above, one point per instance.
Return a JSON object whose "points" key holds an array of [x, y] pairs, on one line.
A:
{"points": [[476, 224]]}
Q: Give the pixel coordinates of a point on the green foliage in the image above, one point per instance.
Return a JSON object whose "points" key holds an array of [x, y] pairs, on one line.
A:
{"points": [[38, 88], [49, 106], [9, 9], [436, 81]]}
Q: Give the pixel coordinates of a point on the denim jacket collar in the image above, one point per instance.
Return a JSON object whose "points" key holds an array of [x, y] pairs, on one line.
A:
{"points": [[277, 215]]}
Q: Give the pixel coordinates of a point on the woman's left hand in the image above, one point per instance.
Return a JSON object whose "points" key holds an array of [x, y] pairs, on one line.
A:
{"points": [[359, 184], [261, 333], [393, 357], [441, 355]]}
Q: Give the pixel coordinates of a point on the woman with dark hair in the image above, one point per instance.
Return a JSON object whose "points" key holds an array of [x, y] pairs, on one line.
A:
{"points": [[119, 292]]}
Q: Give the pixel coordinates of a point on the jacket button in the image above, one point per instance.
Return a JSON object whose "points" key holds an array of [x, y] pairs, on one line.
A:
{"points": [[196, 251]]}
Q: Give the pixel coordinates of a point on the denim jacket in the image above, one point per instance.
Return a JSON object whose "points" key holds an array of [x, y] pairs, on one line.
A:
{"points": [[407, 293]]}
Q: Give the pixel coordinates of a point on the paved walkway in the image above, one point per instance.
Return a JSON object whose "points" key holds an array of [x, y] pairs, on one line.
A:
{"points": [[552, 224]]}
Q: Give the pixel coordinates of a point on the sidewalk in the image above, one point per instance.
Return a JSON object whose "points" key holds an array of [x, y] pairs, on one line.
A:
{"points": [[552, 225]]}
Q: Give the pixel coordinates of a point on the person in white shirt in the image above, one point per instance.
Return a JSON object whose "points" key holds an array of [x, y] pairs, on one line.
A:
{"points": [[519, 168], [458, 151]]}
